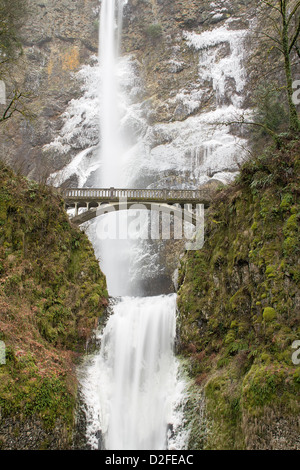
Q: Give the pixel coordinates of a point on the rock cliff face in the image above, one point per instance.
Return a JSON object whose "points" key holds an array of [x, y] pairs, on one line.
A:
{"points": [[158, 34], [181, 74], [58, 37]]}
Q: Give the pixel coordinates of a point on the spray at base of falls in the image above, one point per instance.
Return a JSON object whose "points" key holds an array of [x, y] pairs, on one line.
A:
{"points": [[132, 389]]}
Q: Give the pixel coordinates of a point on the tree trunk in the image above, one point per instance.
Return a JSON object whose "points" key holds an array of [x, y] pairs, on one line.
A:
{"points": [[294, 123]]}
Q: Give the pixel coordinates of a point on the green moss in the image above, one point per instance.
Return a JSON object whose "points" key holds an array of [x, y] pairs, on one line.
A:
{"points": [[238, 302], [269, 314], [286, 202], [291, 225], [45, 266], [230, 337], [270, 271], [269, 384], [154, 31], [290, 245], [254, 226], [223, 410]]}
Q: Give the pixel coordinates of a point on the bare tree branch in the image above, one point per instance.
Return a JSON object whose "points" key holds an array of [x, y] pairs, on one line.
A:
{"points": [[16, 105], [293, 41], [284, 40], [269, 4], [293, 12]]}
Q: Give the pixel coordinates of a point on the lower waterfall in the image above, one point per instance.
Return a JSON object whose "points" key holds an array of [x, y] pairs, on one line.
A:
{"points": [[131, 388]]}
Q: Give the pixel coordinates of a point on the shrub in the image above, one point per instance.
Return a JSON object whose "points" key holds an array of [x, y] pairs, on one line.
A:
{"points": [[154, 31]]}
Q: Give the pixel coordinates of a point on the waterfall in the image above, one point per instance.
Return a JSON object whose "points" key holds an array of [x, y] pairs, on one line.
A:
{"points": [[133, 151], [109, 45], [113, 253], [131, 387], [183, 149], [136, 359]]}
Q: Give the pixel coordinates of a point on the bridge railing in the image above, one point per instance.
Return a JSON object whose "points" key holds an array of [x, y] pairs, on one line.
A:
{"points": [[143, 194]]}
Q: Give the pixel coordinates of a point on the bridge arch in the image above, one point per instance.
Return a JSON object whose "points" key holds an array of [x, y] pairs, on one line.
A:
{"points": [[98, 209], [182, 203]]}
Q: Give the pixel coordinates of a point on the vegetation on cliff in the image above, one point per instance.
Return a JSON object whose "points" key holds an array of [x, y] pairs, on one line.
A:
{"points": [[283, 15], [52, 294], [13, 15], [239, 304]]}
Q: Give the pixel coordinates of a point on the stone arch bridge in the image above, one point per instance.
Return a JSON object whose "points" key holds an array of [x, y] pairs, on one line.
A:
{"points": [[180, 202]]}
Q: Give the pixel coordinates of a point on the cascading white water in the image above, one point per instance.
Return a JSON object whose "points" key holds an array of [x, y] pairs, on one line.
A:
{"points": [[112, 251], [136, 361], [109, 43], [132, 387]]}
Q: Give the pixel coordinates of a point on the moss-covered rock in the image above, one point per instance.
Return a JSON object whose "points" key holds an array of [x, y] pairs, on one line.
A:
{"points": [[269, 314], [239, 301], [52, 294]]}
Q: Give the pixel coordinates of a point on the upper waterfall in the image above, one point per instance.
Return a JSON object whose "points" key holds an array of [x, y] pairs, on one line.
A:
{"points": [[109, 46]]}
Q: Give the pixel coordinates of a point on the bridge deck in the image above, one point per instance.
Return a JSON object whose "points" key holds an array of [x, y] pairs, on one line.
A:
{"points": [[95, 202], [169, 196]]}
